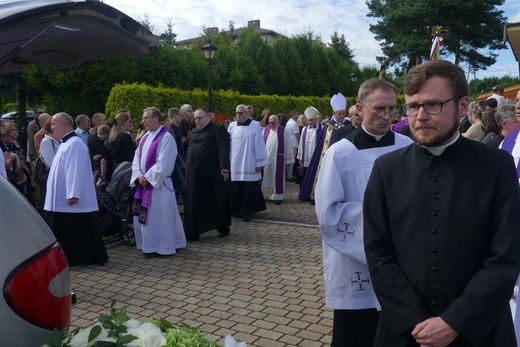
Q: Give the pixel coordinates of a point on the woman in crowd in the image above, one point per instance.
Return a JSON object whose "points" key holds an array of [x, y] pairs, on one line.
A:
{"points": [[302, 122], [9, 158], [23, 174], [489, 122], [476, 131], [121, 145], [48, 148]]}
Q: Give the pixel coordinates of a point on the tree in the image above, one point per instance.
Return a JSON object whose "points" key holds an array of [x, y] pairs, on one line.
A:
{"points": [[473, 30], [342, 47]]}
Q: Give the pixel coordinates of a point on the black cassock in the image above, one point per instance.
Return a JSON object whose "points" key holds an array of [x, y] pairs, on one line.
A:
{"points": [[442, 239], [208, 153]]}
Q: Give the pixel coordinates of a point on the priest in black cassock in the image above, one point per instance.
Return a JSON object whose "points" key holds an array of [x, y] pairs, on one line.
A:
{"points": [[443, 278], [207, 203]]}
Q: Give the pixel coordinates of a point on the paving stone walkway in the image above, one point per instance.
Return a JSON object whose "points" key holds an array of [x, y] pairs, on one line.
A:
{"points": [[263, 284]]}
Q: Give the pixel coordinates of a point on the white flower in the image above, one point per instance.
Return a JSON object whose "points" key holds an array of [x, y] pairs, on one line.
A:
{"points": [[81, 338], [148, 335], [229, 341], [132, 323]]}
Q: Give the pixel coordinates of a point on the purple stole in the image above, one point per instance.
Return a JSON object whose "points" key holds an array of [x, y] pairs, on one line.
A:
{"points": [[304, 137], [509, 144], [143, 195], [280, 162]]}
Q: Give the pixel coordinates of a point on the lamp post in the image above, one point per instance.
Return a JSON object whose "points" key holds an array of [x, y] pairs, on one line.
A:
{"points": [[209, 53], [353, 79]]}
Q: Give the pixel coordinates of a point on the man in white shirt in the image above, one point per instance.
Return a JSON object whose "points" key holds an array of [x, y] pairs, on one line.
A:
{"points": [[293, 130]]}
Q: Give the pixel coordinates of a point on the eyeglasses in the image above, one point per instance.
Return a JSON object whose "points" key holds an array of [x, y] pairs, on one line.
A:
{"points": [[147, 117], [432, 107], [381, 110], [272, 123], [240, 113], [199, 118]]}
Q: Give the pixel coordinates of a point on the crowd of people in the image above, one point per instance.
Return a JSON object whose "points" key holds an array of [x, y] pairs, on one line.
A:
{"points": [[404, 265]]}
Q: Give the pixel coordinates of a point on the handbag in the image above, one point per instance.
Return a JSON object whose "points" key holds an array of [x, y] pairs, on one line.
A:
{"points": [[41, 171]]}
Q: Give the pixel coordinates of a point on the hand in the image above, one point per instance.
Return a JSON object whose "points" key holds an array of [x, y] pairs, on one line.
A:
{"points": [[143, 181], [72, 201], [225, 175], [96, 157], [259, 169], [434, 332]]}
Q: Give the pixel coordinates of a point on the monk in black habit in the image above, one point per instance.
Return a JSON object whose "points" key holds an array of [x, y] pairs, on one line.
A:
{"points": [[442, 277], [207, 203]]}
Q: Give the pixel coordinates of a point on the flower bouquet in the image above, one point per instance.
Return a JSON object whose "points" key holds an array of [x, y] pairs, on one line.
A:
{"points": [[117, 330]]}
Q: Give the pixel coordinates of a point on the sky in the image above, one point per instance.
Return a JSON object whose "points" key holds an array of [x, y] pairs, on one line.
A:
{"points": [[291, 17]]}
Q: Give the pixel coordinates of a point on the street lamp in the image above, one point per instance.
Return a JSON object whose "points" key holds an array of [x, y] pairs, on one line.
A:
{"points": [[209, 53], [353, 79]]}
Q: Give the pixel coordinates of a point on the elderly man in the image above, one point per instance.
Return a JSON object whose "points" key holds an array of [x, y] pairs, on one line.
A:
{"points": [[207, 205], [343, 132], [83, 126], [339, 199], [280, 154], [339, 105], [157, 223], [71, 198], [248, 157], [308, 142], [186, 112], [442, 279], [507, 117]]}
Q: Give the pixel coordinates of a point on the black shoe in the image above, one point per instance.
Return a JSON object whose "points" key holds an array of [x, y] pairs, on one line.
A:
{"points": [[223, 231], [291, 179], [246, 218], [150, 255], [278, 202]]}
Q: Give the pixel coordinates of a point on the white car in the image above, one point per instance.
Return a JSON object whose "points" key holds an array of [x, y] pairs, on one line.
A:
{"points": [[34, 274]]}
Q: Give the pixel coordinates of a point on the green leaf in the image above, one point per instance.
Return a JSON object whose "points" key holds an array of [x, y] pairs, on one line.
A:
{"points": [[104, 344], [127, 339], [121, 317], [94, 332], [57, 337]]}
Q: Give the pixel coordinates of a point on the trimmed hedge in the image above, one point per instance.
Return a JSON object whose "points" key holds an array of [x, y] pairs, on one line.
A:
{"points": [[137, 97]]}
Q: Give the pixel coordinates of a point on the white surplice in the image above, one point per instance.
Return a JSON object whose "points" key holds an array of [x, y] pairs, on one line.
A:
{"points": [[269, 178], [247, 151], [163, 232], [70, 176], [309, 143], [339, 200]]}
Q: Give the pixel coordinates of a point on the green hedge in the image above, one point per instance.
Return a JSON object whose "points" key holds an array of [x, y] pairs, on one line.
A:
{"points": [[136, 97]]}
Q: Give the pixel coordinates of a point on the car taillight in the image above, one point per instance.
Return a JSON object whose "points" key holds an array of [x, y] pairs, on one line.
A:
{"points": [[38, 290]]}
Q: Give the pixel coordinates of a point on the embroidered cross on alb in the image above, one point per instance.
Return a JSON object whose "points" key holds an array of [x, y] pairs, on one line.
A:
{"points": [[359, 281], [346, 232]]}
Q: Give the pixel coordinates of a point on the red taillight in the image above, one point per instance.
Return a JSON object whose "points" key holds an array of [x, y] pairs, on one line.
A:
{"points": [[38, 290]]}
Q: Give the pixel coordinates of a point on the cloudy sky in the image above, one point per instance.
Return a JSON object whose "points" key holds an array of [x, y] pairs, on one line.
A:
{"points": [[288, 17]]}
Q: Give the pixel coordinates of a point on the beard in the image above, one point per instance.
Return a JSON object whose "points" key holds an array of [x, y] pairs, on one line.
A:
{"points": [[439, 139]]}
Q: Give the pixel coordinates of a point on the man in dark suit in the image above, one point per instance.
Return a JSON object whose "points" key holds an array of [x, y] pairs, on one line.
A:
{"points": [[442, 278]]}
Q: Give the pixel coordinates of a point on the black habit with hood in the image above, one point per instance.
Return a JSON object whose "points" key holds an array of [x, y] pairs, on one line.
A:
{"points": [[442, 239]]}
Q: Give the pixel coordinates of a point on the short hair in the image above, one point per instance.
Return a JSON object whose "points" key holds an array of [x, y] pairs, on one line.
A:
{"points": [[371, 85], [492, 102], [242, 107], [506, 112], [352, 110], [172, 112], [154, 112], [103, 129], [292, 113], [184, 108], [96, 116], [419, 74], [64, 118], [80, 119], [44, 117]]}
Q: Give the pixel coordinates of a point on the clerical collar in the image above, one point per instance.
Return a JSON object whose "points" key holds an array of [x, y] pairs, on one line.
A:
{"points": [[245, 123], [377, 137], [68, 136], [439, 150]]}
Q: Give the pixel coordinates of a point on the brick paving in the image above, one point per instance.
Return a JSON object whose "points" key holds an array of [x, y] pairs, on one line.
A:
{"points": [[263, 284]]}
